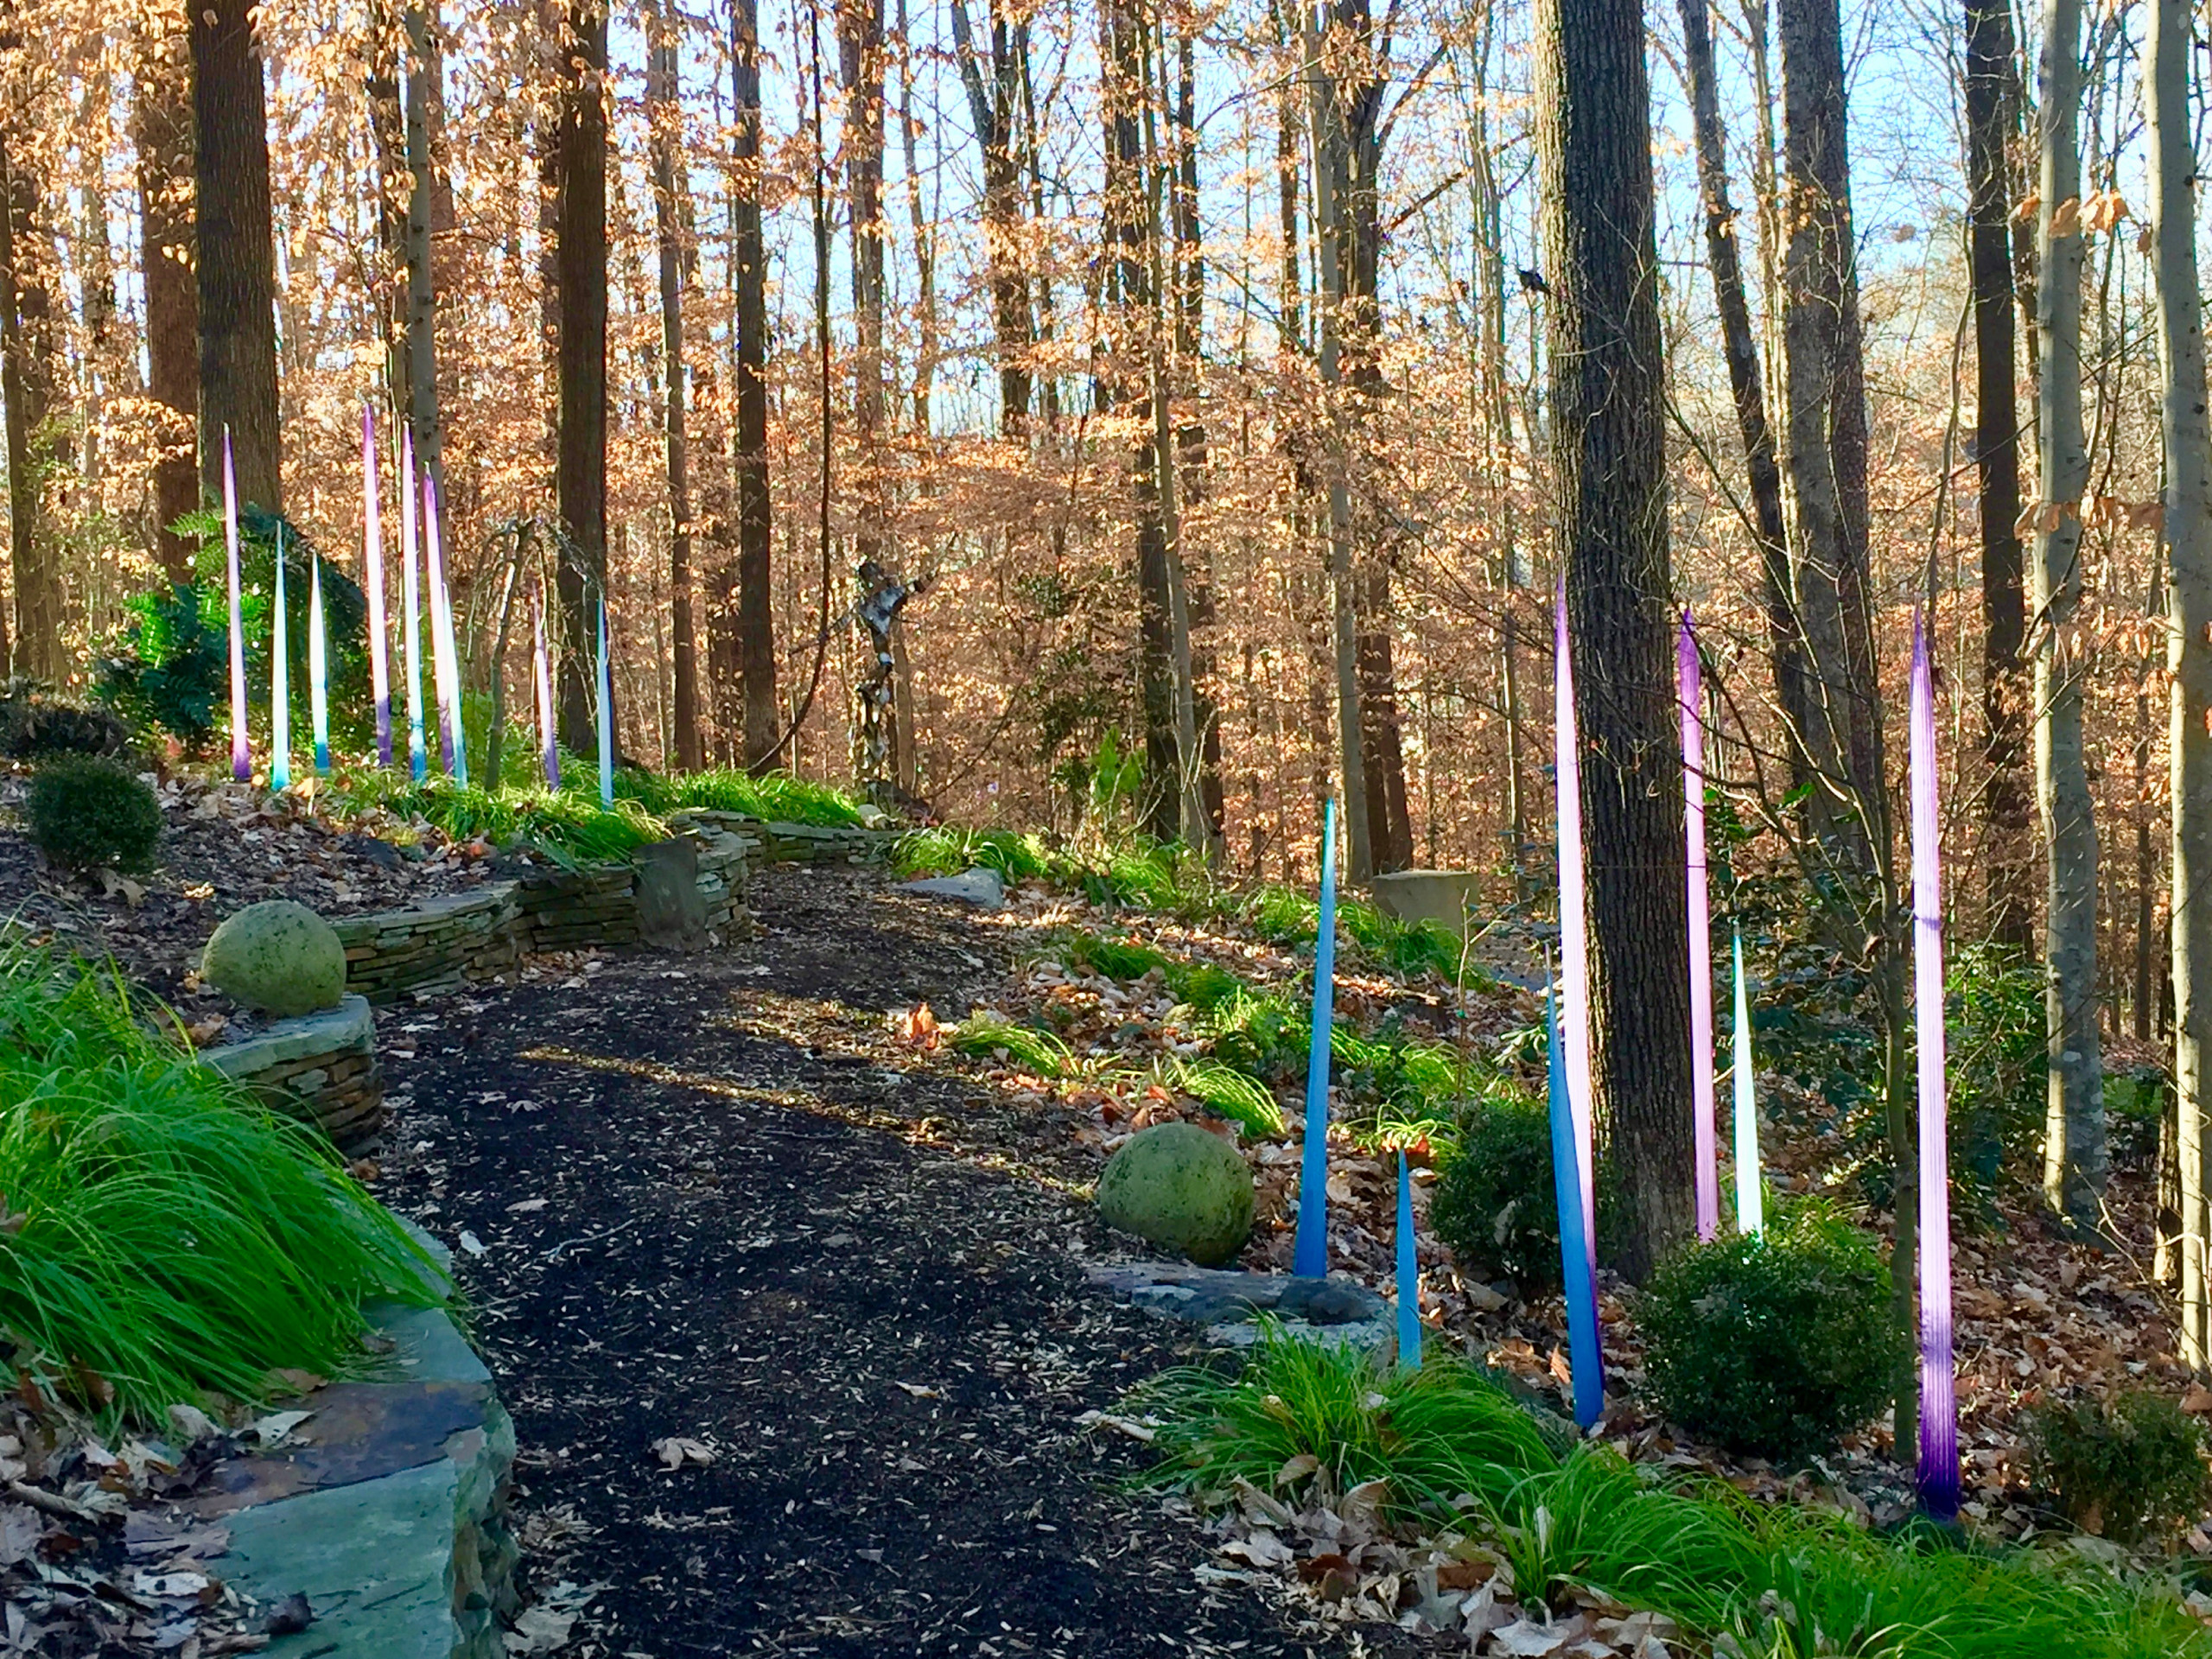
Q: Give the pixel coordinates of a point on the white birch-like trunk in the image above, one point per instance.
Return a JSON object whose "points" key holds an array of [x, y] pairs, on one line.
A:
{"points": [[2074, 1139], [2188, 533]]}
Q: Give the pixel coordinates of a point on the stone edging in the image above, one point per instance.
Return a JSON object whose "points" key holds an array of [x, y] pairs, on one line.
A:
{"points": [[319, 1067], [387, 1509], [448, 942]]}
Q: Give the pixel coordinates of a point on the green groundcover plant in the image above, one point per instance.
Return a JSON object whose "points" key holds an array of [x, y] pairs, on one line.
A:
{"points": [[163, 1238], [1455, 1448]]}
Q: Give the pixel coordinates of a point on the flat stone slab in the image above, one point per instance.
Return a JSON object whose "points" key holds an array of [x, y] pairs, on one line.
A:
{"points": [[351, 1024], [981, 889], [385, 1508], [1230, 1305]]}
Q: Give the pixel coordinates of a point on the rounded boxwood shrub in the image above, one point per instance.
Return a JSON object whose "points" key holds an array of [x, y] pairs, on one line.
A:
{"points": [[1495, 1204], [2132, 1471], [1773, 1344], [86, 813]]}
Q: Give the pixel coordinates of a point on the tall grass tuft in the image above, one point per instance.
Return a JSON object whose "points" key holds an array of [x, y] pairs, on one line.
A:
{"points": [[1454, 1447], [165, 1236], [777, 796]]}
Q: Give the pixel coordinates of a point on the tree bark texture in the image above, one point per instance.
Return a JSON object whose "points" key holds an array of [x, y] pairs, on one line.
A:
{"points": [[1601, 260], [754, 633], [1993, 122], [1826, 442], [1739, 345], [994, 106], [666, 116], [2074, 1133], [424, 94], [237, 251], [161, 135], [580, 219], [2189, 636]]}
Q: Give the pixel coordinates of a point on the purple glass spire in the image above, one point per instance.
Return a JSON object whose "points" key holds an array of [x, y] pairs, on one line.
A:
{"points": [[241, 750], [1939, 1411], [1701, 920], [372, 583], [1573, 923]]}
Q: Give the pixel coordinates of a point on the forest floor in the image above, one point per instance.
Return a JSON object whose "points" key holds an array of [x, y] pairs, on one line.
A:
{"points": [[792, 1318], [789, 1300]]}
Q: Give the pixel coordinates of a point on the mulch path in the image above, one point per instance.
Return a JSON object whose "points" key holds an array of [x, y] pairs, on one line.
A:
{"points": [[712, 1212]]}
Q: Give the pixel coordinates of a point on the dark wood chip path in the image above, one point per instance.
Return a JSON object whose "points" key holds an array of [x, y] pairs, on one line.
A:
{"points": [[712, 1200]]}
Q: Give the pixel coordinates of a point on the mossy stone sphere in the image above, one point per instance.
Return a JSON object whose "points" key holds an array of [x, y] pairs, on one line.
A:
{"points": [[1182, 1189], [277, 956]]}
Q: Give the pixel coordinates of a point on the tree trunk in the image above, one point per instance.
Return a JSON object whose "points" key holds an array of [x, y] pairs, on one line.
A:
{"points": [[424, 95], [161, 135], [1195, 554], [1825, 371], [1359, 99], [2074, 1139], [1600, 256], [387, 111], [925, 236], [754, 635], [235, 242], [666, 115], [995, 108], [1993, 124], [2189, 636], [580, 212], [1740, 344], [1333, 171], [23, 385], [860, 63]]}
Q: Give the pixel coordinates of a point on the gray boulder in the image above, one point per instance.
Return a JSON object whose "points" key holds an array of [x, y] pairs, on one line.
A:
{"points": [[979, 888], [277, 956]]}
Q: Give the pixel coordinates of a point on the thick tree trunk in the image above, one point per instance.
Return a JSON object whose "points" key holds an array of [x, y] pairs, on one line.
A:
{"points": [[1359, 99], [754, 634], [1827, 440], [161, 135], [924, 235], [2074, 1136], [1740, 344], [670, 219], [1993, 123], [24, 389], [1195, 554], [1608, 424], [581, 218], [2189, 636], [424, 96], [236, 249], [1333, 174]]}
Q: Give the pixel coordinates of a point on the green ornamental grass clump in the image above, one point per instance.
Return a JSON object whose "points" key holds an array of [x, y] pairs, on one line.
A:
{"points": [[1455, 1452], [2132, 1471], [87, 813], [1774, 1342], [165, 1237]]}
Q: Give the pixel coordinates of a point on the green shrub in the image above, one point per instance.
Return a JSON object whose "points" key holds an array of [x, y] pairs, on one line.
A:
{"points": [[1494, 1202], [87, 813], [166, 1235], [2132, 1471], [170, 670], [1776, 1343]]}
